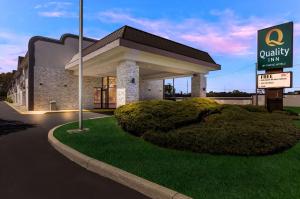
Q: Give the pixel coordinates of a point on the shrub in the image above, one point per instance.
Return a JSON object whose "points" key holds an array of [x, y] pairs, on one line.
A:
{"points": [[163, 115], [9, 100], [236, 130]]}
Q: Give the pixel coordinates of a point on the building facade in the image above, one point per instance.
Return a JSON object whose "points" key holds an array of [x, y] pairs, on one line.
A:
{"points": [[126, 66]]}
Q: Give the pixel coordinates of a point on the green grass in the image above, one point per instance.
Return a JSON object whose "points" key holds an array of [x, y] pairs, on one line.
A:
{"points": [[196, 175], [293, 109]]}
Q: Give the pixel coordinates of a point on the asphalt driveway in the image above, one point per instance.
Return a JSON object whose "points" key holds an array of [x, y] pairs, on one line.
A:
{"points": [[31, 169]]}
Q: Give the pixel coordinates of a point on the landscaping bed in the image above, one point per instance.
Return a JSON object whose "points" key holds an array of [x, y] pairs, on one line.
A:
{"points": [[202, 125], [194, 174]]}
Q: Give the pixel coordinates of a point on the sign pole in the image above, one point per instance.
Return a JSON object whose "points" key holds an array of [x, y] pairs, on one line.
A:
{"points": [[80, 64], [256, 96], [274, 96]]}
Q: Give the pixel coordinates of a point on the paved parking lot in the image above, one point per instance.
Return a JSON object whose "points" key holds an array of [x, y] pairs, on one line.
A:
{"points": [[31, 169]]}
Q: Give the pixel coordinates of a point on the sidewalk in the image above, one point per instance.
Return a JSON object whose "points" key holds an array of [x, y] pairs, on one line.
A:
{"points": [[22, 110]]}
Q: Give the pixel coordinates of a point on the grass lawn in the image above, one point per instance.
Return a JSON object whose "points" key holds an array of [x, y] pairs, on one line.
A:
{"points": [[293, 109], [196, 175]]}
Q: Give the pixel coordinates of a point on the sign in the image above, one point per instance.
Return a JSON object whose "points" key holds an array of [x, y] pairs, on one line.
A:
{"points": [[274, 80], [275, 47]]}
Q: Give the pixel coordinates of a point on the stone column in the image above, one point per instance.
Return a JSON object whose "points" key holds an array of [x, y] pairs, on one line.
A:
{"points": [[199, 85], [127, 82]]}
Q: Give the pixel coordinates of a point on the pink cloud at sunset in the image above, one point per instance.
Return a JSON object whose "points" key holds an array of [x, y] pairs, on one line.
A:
{"points": [[228, 35], [14, 46]]}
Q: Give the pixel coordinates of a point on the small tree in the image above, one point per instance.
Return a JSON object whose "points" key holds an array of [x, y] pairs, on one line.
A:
{"points": [[5, 79], [169, 90]]}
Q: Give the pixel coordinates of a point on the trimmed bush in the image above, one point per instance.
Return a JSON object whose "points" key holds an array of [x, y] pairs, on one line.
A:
{"points": [[202, 125], [163, 115], [9, 100], [237, 130]]}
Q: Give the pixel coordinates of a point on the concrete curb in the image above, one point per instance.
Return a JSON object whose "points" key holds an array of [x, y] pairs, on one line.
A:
{"points": [[139, 184], [50, 112]]}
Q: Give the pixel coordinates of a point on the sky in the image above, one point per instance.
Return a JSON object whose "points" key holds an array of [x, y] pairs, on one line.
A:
{"points": [[226, 29]]}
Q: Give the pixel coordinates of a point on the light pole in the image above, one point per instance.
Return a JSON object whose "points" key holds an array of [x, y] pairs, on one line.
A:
{"points": [[80, 123], [80, 64]]}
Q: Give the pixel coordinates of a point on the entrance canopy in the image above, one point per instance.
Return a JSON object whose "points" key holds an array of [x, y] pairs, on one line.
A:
{"points": [[156, 57]]}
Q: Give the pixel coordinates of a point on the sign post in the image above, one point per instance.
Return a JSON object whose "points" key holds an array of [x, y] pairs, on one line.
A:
{"points": [[256, 95], [275, 52]]}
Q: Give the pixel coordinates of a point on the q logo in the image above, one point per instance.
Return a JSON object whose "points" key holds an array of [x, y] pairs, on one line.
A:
{"points": [[271, 42]]}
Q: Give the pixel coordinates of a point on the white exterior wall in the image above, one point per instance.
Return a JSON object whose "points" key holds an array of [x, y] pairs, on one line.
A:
{"points": [[291, 100], [233, 100], [151, 89], [288, 100], [127, 91], [261, 100], [53, 82]]}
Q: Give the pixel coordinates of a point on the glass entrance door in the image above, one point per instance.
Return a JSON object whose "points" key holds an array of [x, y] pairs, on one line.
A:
{"points": [[107, 93], [112, 92]]}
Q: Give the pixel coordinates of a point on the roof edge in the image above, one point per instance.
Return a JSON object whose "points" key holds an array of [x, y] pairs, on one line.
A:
{"points": [[172, 41], [150, 49], [61, 40]]}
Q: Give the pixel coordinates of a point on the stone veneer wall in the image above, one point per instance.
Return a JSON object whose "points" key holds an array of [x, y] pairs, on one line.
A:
{"points": [[151, 89], [198, 85], [53, 82], [127, 91]]}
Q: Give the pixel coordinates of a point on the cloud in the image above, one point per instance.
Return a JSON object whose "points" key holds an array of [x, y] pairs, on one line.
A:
{"points": [[297, 29], [57, 14], [155, 26], [56, 9], [219, 44], [11, 46], [227, 12], [55, 4], [227, 35]]}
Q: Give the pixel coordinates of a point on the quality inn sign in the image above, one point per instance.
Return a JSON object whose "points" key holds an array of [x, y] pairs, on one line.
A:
{"points": [[275, 47]]}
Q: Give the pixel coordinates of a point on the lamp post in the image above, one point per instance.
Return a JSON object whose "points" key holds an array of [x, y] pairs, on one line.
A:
{"points": [[80, 64], [80, 116]]}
